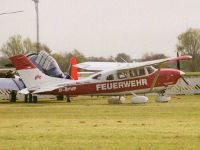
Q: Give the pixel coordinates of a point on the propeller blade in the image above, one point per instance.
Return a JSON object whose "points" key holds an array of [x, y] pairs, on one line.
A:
{"points": [[179, 68], [178, 63], [184, 80]]}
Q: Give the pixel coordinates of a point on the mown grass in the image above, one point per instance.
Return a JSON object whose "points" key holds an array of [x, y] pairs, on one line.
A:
{"points": [[91, 123]]}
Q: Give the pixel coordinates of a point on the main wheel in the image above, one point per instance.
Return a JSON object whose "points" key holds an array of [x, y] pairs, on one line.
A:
{"points": [[68, 98]]}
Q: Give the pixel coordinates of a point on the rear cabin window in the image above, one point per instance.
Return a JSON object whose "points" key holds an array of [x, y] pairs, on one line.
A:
{"points": [[150, 70], [97, 77], [110, 77], [141, 72], [133, 73], [122, 75]]}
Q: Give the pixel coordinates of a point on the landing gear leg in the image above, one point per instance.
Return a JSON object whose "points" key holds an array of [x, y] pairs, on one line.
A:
{"points": [[35, 99], [13, 97], [26, 98], [59, 98], [30, 98], [68, 98]]}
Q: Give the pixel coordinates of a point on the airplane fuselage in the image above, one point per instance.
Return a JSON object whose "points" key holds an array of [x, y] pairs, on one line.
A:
{"points": [[124, 80], [167, 77]]}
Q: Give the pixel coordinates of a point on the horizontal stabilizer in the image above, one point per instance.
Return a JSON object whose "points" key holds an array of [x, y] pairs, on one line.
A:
{"points": [[44, 89], [11, 84], [23, 91]]}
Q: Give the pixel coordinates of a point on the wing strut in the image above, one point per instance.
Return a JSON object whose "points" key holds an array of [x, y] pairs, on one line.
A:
{"points": [[156, 77]]}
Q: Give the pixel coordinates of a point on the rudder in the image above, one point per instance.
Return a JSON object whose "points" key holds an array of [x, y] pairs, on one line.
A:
{"points": [[72, 70]]}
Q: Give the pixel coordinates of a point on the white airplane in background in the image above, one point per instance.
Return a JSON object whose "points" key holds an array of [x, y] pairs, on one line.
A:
{"points": [[126, 79]]}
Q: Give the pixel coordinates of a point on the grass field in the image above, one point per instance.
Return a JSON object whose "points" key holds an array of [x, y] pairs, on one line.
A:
{"points": [[91, 123]]}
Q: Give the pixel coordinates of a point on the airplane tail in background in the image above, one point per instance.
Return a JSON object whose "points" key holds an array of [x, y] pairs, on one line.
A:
{"points": [[31, 75], [72, 70]]}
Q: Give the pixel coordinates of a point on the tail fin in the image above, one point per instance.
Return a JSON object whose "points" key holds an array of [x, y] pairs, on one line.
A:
{"points": [[72, 70], [31, 75]]}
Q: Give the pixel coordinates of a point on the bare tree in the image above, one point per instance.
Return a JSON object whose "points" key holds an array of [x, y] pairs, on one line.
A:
{"points": [[153, 56], [122, 57], [189, 44], [17, 45]]}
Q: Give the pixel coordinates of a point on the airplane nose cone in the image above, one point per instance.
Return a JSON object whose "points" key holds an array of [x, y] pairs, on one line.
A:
{"points": [[181, 73]]}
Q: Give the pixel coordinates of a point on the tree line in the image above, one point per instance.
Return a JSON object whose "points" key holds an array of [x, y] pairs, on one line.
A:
{"points": [[188, 44]]}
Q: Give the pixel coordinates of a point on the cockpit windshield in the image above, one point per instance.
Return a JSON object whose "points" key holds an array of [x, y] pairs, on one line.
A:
{"points": [[97, 77], [110, 77], [150, 69]]}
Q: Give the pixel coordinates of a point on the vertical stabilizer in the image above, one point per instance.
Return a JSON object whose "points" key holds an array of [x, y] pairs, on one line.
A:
{"points": [[72, 70], [31, 76]]}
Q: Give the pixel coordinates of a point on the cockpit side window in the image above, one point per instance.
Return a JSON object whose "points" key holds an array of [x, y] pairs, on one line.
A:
{"points": [[110, 77], [97, 77], [133, 73], [122, 75], [141, 72]]}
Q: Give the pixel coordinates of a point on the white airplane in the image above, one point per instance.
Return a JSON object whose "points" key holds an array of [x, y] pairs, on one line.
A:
{"points": [[119, 80]]}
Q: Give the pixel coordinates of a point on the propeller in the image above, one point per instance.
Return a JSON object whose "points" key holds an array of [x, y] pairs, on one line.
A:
{"points": [[178, 63], [184, 80], [179, 68]]}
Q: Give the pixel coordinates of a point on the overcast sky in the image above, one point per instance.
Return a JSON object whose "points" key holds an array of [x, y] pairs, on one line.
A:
{"points": [[102, 27]]}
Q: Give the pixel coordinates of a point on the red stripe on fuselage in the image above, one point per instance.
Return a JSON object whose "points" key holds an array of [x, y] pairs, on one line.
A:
{"points": [[166, 77]]}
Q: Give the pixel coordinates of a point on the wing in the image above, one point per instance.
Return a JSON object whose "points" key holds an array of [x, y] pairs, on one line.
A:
{"points": [[100, 66], [154, 62], [11, 84], [85, 73]]}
